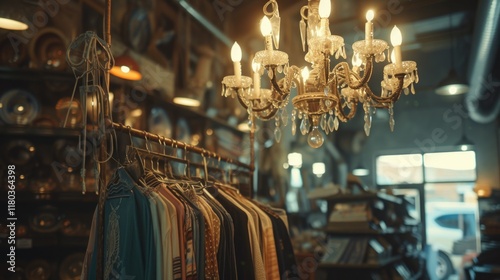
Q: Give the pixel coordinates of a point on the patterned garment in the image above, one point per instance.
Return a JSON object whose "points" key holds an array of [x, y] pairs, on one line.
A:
{"points": [[126, 210]]}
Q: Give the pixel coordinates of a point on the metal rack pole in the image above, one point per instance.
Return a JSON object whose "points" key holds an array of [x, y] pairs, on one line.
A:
{"points": [[177, 144], [102, 155]]}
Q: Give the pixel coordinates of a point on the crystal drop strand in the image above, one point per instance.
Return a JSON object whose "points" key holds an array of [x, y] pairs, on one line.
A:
{"points": [[294, 128], [223, 92], [284, 117], [336, 123], [277, 134], [416, 76], [277, 121], [406, 91], [323, 122], [343, 52], [300, 115], [412, 89]]}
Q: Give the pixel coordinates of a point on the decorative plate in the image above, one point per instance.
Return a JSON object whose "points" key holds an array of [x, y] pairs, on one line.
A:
{"points": [[18, 107], [48, 49], [138, 29], [71, 267], [47, 219], [159, 122], [182, 131]]}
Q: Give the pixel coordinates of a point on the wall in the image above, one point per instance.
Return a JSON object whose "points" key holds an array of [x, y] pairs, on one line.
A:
{"points": [[432, 129]]}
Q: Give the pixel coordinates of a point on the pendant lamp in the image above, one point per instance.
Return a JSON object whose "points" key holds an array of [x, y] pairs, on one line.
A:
{"points": [[452, 84], [126, 68], [12, 15]]}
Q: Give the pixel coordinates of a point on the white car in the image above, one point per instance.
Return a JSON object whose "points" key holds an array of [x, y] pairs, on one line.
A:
{"points": [[451, 231]]}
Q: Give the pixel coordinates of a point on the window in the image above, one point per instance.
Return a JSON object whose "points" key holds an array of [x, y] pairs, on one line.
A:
{"points": [[448, 221], [450, 166], [399, 169]]}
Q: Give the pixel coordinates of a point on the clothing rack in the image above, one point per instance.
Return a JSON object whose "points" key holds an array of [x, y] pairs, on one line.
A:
{"points": [[177, 144], [153, 137]]}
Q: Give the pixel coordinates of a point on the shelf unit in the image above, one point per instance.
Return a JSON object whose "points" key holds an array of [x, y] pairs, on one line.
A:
{"points": [[390, 247]]}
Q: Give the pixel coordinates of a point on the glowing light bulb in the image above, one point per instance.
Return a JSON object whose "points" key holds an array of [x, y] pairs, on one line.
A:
{"points": [[20, 108], [370, 15], [315, 139], [396, 37], [305, 73], [236, 52], [393, 56], [325, 7], [265, 26], [125, 69]]}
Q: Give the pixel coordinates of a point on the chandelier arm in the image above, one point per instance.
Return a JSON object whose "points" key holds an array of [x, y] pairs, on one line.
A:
{"points": [[344, 66], [275, 85], [392, 97], [242, 102]]}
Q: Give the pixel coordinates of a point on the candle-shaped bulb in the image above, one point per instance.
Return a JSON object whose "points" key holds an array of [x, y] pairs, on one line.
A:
{"points": [[255, 66], [370, 15], [396, 38], [236, 52], [325, 7], [305, 73], [265, 26], [393, 56], [356, 60]]}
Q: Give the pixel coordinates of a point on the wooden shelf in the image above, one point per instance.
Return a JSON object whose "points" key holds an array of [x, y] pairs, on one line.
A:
{"points": [[24, 75], [366, 231], [378, 265], [73, 196], [40, 131], [362, 197]]}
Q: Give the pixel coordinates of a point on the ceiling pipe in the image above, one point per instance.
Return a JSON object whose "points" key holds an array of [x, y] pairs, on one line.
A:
{"points": [[205, 22], [482, 102]]}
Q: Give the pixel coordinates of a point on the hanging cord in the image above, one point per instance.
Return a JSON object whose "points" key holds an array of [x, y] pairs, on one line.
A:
{"points": [[89, 58]]}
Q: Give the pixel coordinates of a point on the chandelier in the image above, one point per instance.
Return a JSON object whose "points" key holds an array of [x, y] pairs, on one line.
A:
{"points": [[326, 95]]}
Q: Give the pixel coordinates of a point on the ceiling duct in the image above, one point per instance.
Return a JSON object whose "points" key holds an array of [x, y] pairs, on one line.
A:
{"points": [[482, 102]]}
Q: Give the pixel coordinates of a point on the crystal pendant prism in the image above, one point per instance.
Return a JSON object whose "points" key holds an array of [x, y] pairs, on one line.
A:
{"points": [[304, 126], [302, 27], [323, 122], [336, 123], [277, 134], [367, 129], [331, 123], [275, 24], [392, 122], [294, 128]]}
